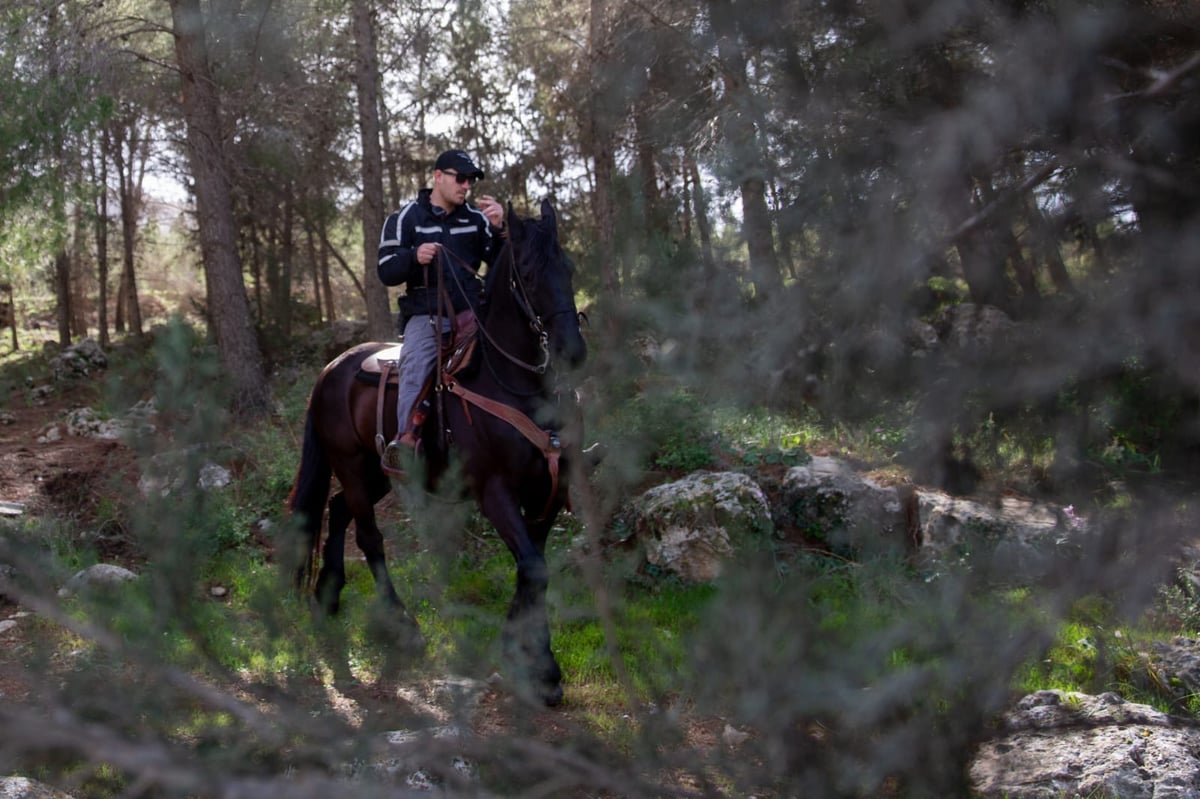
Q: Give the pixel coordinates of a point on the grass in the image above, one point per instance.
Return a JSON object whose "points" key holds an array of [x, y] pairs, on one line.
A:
{"points": [[462, 603], [823, 623]]}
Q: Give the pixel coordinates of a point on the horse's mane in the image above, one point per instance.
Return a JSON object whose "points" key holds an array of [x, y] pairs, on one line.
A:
{"points": [[539, 248]]}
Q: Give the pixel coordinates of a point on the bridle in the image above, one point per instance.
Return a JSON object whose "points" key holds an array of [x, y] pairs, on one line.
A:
{"points": [[537, 324], [547, 441]]}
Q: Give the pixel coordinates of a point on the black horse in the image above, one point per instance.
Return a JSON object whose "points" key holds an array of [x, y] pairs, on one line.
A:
{"points": [[496, 418]]}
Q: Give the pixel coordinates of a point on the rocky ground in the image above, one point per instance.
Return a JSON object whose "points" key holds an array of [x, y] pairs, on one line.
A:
{"points": [[1050, 745]]}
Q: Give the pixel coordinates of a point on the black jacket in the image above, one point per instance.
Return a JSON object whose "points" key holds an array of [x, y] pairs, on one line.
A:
{"points": [[464, 232]]}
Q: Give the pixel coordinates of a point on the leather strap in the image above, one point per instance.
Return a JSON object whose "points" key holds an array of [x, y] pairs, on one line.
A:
{"points": [[385, 367], [551, 449]]}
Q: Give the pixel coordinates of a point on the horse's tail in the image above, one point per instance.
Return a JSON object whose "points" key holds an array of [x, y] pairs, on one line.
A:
{"points": [[309, 496]]}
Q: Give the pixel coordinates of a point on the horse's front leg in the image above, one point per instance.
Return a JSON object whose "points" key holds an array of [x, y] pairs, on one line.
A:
{"points": [[526, 633]]}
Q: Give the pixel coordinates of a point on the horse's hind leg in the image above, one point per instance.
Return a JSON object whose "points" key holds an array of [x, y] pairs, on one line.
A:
{"points": [[331, 579], [359, 501]]}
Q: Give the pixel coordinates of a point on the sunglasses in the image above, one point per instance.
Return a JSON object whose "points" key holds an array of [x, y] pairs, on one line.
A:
{"points": [[460, 179]]}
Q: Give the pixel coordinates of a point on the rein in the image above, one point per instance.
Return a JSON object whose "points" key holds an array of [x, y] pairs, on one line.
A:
{"points": [[517, 286], [546, 441]]}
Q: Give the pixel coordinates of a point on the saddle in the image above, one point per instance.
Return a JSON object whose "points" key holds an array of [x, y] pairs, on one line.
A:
{"points": [[381, 369], [463, 331]]}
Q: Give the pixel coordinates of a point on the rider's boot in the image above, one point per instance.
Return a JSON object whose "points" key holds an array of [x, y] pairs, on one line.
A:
{"points": [[398, 452]]}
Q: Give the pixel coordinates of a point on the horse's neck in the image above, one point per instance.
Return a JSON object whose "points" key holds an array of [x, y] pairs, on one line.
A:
{"points": [[508, 336]]}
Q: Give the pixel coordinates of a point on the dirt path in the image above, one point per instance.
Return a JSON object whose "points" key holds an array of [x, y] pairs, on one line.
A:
{"points": [[53, 477]]}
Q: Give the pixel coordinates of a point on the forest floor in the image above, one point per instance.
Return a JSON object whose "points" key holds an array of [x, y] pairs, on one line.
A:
{"points": [[68, 477], [64, 478]]}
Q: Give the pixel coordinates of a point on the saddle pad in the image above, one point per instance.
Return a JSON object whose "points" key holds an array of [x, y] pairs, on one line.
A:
{"points": [[372, 362]]}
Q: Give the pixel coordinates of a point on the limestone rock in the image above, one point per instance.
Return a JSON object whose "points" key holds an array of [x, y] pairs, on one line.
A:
{"points": [[1176, 664], [689, 527], [970, 328], [23, 788], [78, 360], [1056, 744], [827, 498], [98, 576], [168, 472], [1019, 536]]}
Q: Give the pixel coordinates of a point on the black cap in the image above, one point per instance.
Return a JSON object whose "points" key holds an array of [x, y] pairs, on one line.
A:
{"points": [[460, 162]]}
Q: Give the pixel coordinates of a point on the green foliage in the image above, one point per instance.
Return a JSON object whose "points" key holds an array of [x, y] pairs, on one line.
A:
{"points": [[1069, 665], [667, 430], [757, 437], [1177, 606], [654, 627]]}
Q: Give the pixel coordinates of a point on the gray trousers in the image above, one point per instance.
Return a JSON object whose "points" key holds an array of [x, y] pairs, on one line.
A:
{"points": [[416, 362]]}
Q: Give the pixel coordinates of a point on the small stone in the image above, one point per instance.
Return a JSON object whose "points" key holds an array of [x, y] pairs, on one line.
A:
{"points": [[50, 435], [733, 737], [214, 476], [101, 575]]}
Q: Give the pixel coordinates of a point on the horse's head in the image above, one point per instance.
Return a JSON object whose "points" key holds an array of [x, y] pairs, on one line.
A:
{"points": [[544, 271]]}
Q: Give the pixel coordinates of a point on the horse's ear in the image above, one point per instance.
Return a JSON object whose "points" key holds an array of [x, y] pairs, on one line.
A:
{"points": [[549, 217], [516, 228]]}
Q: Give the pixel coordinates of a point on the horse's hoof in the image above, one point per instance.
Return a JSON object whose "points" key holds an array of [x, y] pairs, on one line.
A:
{"points": [[392, 627], [323, 609], [411, 641], [595, 455], [552, 695]]}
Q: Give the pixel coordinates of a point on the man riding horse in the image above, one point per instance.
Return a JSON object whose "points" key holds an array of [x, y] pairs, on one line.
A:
{"points": [[439, 230]]}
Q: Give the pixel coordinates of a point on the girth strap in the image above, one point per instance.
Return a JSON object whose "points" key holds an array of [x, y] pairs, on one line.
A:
{"points": [[385, 368], [542, 439]]}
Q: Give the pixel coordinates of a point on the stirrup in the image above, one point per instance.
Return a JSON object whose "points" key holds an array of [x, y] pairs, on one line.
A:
{"points": [[392, 459]]}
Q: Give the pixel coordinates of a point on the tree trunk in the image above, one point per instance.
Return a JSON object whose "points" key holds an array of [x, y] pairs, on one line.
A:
{"points": [[256, 270], [366, 79], [330, 306], [119, 316], [130, 199], [685, 199], [287, 258], [746, 155], [310, 248], [354, 277], [12, 314], [983, 260], [269, 313], [79, 287], [227, 303], [756, 226], [703, 227], [599, 147], [1046, 247], [654, 218], [102, 242], [1009, 244], [385, 133], [62, 292], [62, 260]]}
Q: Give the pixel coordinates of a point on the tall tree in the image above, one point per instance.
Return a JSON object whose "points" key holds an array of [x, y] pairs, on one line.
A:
{"points": [[100, 177], [129, 154], [228, 306], [58, 149], [366, 82], [746, 154], [598, 146]]}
